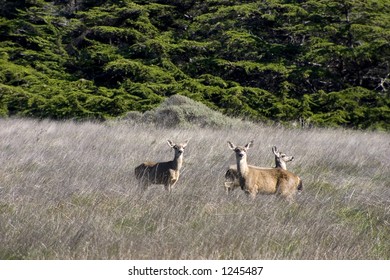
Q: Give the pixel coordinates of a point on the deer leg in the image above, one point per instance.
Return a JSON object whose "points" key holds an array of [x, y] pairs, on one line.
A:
{"points": [[168, 187], [143, 184], [250, 193], [228, 186], [253, 195]]}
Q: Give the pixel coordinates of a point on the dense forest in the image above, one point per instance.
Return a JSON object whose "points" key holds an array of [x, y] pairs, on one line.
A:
{"points": [[311, 62]]}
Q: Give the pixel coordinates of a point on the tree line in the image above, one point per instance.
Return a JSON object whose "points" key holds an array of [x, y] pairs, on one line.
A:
{"points": [[312, 62]]}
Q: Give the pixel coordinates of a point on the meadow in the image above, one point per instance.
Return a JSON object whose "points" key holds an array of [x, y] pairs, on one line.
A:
{"points": [[67, 191]]}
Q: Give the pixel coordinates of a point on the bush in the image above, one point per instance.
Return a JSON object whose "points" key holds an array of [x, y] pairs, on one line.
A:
{"points": [[181, 111]]}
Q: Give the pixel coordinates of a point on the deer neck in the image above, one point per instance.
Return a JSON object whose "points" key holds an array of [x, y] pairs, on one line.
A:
{"points": [[280, 164], [242, 166], [177, 162]]}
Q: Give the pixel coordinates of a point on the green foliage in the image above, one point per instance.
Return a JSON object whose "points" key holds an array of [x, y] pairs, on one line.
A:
{"points": [[353, 106], [320, 62]]}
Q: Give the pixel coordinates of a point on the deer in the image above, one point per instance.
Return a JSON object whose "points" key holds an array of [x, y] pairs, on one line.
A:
{"points": [[162, 173], [231, 175], [281, 159], [254, 180]]}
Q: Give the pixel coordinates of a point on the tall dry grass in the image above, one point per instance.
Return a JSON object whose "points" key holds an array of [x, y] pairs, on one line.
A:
{"points": [[67, 191]]}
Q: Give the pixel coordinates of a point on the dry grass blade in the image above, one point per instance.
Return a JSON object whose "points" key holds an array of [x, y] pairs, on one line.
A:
{"points": [[67, 191]]}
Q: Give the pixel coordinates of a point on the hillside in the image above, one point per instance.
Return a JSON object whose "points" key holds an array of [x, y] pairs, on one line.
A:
{"points": [[179, 112], [316, 63], [67, 191]]}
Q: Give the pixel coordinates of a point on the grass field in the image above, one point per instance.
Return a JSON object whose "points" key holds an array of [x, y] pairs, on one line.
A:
{"points": [[67, 191]]}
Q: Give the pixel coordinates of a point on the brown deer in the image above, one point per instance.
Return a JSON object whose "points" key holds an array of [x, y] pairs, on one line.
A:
{"points": [[254, 180], [231, 175], [281, 159], [162, 173]]}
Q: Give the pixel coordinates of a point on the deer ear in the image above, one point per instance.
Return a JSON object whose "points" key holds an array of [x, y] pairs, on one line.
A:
{"points": [[231, 145], [170, 143], [275, 151], [249, 145], [185, 143]]}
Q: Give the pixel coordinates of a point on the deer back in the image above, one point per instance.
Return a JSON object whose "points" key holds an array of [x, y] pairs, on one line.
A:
{"points": [[156, 173]]}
